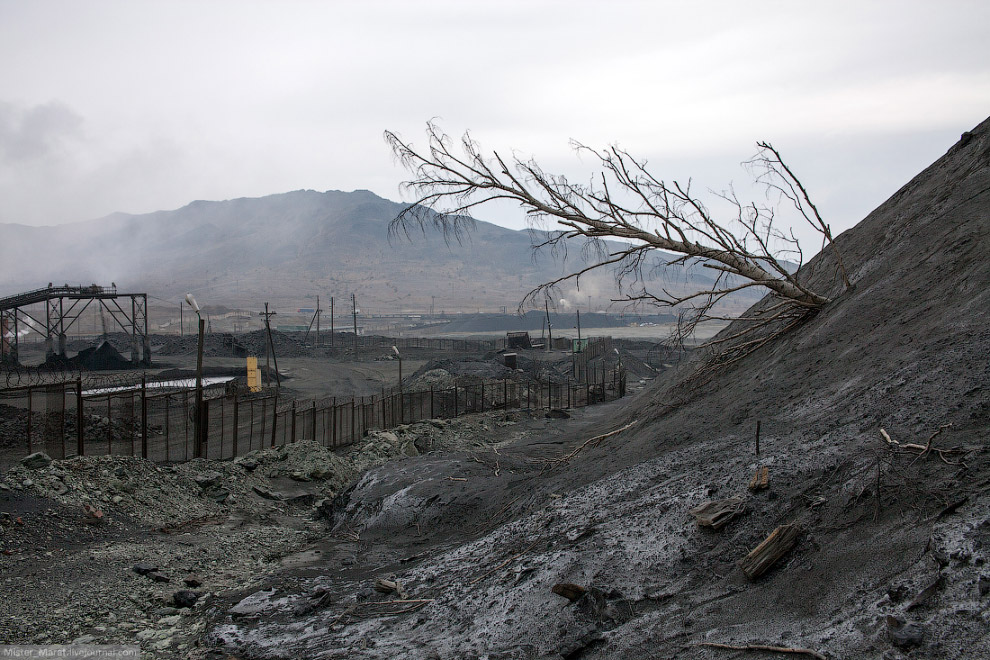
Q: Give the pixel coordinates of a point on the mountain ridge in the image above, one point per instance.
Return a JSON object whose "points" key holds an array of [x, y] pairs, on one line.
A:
{"points": [[295, 245]]}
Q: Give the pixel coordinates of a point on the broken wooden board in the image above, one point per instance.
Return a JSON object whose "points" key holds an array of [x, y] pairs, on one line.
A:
{"points": [[717, 514], [571, 592], [386, 586], [760, 480], [766, 554]]}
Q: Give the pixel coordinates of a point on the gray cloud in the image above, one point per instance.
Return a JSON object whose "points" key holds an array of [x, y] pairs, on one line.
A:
{"points": [[163, 103], [40, 131]]}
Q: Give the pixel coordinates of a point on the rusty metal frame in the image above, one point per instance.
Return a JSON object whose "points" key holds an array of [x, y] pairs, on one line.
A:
{"points": [[58, 320]]}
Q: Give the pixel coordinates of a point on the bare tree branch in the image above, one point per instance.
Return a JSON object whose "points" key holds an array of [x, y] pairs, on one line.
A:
{"points": [[635, 211]]}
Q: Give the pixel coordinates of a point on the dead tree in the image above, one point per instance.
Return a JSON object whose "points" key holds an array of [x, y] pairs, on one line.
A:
{"points": [[626, 214]]}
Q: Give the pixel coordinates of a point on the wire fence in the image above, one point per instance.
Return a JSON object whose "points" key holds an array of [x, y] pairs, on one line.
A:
{"points": [[157, 420]]}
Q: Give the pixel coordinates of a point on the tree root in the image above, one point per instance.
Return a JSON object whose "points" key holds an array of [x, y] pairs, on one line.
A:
{"points": [[504, 563], [550, 464], [926, 449]]}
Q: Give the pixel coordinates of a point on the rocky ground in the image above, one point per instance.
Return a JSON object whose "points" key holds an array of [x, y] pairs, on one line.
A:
{"points": [[120, 550]]}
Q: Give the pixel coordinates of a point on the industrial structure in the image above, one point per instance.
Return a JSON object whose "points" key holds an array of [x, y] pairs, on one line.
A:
{"points": [[63, 305]]}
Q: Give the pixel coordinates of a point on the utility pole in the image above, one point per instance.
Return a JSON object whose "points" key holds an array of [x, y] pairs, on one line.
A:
{"points": [[331, 321], [546, 304], [579, 326], [200, 433], [268, 345], [181, 330], [354, 313], [317, 321]]}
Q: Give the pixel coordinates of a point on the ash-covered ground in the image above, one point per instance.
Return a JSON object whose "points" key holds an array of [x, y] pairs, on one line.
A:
{"points": [[524, 537], [891, 557]]}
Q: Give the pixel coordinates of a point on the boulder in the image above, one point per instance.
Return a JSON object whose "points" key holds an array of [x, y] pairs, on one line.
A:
{"points": [[36, 461]]}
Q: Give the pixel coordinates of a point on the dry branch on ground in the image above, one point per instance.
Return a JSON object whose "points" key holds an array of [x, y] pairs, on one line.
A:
{"points": [[763, 647]]}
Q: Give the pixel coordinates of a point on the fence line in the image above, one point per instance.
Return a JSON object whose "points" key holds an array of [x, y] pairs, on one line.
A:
{"points": [[63, 420]]}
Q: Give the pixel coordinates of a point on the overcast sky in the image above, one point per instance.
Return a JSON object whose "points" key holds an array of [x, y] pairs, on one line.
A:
{"points": [[140, 106]]}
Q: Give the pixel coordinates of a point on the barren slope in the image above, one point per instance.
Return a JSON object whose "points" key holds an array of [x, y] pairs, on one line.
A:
{"points": [[905, 350]]}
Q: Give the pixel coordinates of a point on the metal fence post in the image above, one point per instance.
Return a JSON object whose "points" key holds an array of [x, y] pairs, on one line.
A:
{"points": [[274, 418], [234, 438], [80, 430], [144, 416], [30, 412], [185, 425], [109, 426], [61, 421], [204, 440]]}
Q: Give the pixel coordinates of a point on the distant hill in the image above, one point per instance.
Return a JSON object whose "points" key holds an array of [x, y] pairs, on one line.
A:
{"points": [[289, 248]]}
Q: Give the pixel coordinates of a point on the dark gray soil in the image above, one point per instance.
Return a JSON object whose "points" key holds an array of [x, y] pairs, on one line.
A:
{"points": [[478, 540]]}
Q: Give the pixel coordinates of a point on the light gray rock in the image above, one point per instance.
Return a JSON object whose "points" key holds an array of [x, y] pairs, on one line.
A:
{"points": [[36, 461]]}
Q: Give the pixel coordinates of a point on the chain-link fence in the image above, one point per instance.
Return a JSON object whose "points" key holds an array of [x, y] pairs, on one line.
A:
{"points": [[158, 421]]}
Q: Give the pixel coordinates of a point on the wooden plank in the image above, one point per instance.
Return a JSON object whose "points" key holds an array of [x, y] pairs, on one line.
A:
{"points": [[717, 514], [760, 480], [766, 554]]}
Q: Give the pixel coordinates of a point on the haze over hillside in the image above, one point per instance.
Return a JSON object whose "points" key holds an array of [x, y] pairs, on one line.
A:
{"points": [[294, 246]]}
